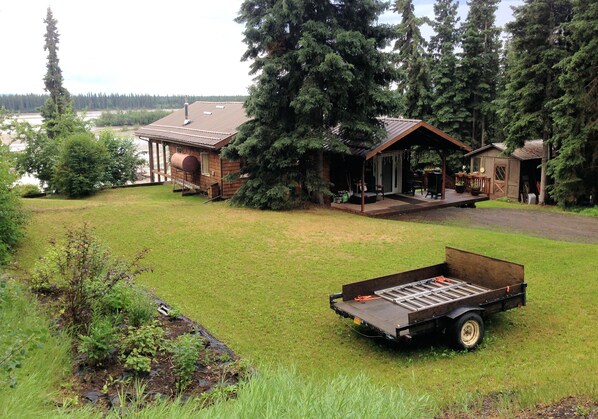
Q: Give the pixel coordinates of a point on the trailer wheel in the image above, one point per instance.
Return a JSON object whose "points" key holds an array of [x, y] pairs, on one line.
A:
{"points": [[468, 331]]}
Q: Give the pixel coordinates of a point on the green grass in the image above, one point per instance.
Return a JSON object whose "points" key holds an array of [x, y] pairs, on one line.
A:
{"points": [[43, 369], [260, 282]]}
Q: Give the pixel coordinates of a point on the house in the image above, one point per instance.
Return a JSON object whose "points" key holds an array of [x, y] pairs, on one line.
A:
{"points": [[185, 146], [512, 175]]}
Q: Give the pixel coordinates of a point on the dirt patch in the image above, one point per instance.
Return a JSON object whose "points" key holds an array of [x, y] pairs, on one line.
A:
{"points": [[554, 226], [569, 407]]}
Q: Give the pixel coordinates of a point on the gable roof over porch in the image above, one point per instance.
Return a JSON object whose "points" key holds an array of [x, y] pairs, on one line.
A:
{"points": [[402, 134]]}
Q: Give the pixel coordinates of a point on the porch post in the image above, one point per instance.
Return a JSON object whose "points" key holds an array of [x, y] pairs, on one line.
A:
{"points": [[150, 156], [158, 160], [363, 186], [443, 174], [164, 160]]}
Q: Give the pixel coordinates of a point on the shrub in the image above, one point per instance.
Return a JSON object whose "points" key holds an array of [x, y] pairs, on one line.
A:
{"points": [[141, 345], [26, 190], [80, 165], [185, 352], [12, 217], [100, 342], [123, 159], [85, 271]]}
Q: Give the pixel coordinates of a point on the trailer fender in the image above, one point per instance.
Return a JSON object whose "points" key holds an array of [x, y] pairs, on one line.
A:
{"points": [[458, 312]]}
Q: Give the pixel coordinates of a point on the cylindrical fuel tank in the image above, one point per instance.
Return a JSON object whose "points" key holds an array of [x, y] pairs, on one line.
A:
{"points": [[184, 162]]}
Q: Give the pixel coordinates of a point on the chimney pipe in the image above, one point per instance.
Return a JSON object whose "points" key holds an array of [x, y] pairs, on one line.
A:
{"points": [[186, 121]]}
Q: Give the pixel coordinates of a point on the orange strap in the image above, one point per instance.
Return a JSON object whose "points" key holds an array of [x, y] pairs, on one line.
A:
{"points": [[364, 298]]}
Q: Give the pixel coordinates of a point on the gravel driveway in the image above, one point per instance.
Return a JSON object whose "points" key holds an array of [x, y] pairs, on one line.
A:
{"points": [[554, 226]]}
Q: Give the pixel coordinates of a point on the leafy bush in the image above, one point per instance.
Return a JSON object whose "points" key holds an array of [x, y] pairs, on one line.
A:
{"points": [[85, 271], [116, 300], [141, 345], [100, 342], [80, 165], [123, 159], [12, 217], [185, 352], [26, 190]]}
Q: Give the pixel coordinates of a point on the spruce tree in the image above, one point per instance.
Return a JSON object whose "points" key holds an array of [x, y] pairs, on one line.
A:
{"points": [[537, 44], [321, 76], [448, 113], [59, 104], [413, 84], [575, 112], [478, 71]]}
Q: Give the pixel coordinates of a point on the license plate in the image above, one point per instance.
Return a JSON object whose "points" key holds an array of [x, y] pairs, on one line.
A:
{"points": [[357, 320]]}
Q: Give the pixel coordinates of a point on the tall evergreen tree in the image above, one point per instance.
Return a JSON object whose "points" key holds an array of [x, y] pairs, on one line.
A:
{"points": [[413, 84], [59, 103], [448, 113], [319, 66], [537, 44], [575, 112], [479, 69]]}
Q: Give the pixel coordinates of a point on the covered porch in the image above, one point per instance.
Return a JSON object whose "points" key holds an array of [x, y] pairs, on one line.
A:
{"points": [[385, 170]]}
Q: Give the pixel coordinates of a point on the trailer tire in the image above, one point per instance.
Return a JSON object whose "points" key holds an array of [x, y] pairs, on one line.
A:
{"points": [[468, 331]]}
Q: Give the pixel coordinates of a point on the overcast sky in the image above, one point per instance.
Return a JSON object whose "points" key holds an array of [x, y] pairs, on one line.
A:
{"points": [[131, 46]]}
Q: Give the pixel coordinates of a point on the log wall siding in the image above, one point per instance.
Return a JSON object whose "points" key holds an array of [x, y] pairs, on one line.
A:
{"points": [[217, 169], [229, 188]]}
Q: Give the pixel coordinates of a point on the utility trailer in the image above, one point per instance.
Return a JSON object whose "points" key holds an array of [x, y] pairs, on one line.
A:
{"points": [[452, 298]]}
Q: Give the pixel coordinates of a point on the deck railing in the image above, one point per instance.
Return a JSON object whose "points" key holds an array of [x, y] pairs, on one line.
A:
{"points": [[474, 179]]}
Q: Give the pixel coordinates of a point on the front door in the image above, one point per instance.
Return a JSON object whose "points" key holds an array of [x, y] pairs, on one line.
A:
{"points": [[389, 172]]}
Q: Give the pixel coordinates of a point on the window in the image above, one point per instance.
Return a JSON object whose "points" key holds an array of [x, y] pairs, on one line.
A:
{"points": [[205, 166], [475, 164], [500, 173]]}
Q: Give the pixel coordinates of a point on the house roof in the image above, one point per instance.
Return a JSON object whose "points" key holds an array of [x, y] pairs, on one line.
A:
{"points": [[531, 149], [405, 133], [212, 125]]}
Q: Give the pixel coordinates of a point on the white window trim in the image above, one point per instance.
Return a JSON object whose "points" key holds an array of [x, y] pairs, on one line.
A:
{"points": [[204, 164]]}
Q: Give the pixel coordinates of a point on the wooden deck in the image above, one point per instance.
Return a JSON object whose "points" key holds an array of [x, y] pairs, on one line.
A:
{"points": [[403, 204]]}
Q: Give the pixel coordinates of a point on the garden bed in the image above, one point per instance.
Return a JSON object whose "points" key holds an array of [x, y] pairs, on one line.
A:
{"points": [[217, 368], [127, 345]]}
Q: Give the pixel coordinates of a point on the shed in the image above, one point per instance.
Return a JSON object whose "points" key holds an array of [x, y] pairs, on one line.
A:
{"points": [[185, 146], [512, 175]]}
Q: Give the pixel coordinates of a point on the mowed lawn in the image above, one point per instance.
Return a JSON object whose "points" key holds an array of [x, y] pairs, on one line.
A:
{"points": [[260, 282]]}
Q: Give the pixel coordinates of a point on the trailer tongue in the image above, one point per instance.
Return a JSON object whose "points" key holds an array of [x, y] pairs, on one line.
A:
{"points": [[452, 297]]}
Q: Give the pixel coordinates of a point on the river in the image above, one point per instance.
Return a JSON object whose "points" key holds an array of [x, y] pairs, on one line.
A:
{"points": [[35, 119]]}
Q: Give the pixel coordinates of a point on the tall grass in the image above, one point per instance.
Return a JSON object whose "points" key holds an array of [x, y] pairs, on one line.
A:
{"points": [[43, 369], [283, 393]]}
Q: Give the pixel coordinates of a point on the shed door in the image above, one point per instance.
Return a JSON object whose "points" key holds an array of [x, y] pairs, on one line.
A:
{"points": [[500, 178]]}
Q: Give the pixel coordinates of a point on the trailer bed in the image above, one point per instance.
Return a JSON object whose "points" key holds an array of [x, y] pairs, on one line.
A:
{"points": [[430, 298]]}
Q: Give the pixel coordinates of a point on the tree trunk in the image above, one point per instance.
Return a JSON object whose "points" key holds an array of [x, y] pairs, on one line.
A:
{"points": [[542, 191], [320, 167]]}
